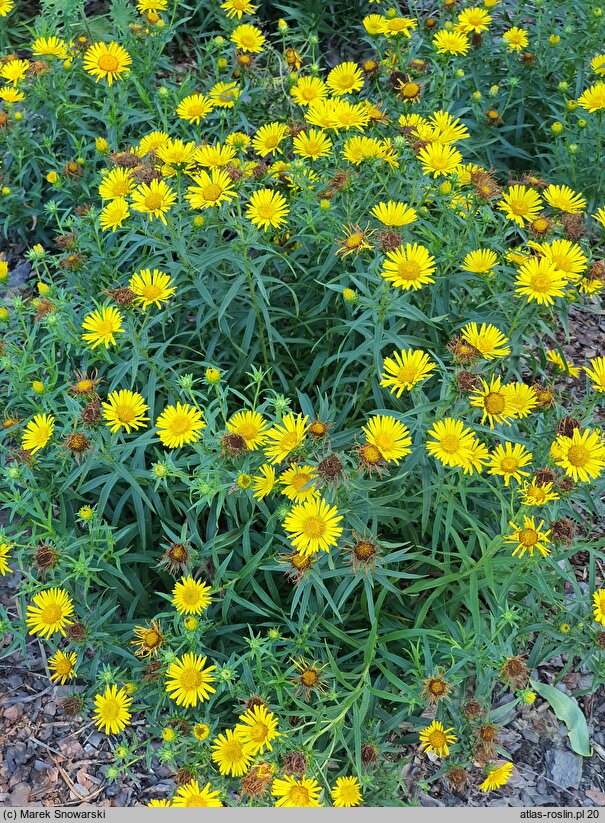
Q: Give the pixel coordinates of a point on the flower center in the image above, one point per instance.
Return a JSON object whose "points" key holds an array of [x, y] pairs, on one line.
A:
{"points": [[299, 480], [383, 442], [151, 638], [180, 425], [289, 441], [364, 550], [111, 710], [259, 732], [299, 795], [308, 93], [371, 454], [108, 62], [450, 443], [191, 597], [408, 270], [509, 465], [152, 291], [63, 666], [309, 678], [540, 225], [313, 527], [190, 679], [410, 89], [528, 537], [406, 374], [154, 201], [494, 403], [266, 210], [578, 455], [437, 739], [125, 413], [51, 614], [104, 328], [212, 192], [233, 750], [518, 207]]}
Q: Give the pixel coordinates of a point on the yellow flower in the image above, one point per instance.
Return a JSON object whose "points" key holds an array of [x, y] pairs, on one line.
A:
{"points": [[49, 47], [373, 24], [313, 526], [116, 183], [101, 326], [308, 89], [539, 280], [568, 258], [480, 261], [257, 728], [405, 369], [473, 20], [38, 432], [564, 199], [522, 399], [5, 7], [152, 142], [593, 99], [582, 456], [189, 794], [598, 600], [11, 95], [149, 639], [520, 204], [596, 373], [534, 494], [125, 409], [188, 681], [409, 266], [49, 613], [250, 425], [345, 78], [488, 340], [299, 483], [179, 425], [263, 483], [294, 794], [4, 559], [154, 199], [190, 596], [439, 159], [194, 107], [224, 95], [112, 713], [451, 42], [529, 538], [62, 665], [286, 437], [389, 436], [14, 70], [210, 190], [515, 38], [452, 443], [556, 358], [248, 38], [347, 792], [201, 732], [236, 8], [159, 803], [497, 776], [507, 461], [493, 399], [106, 61], [114, 214], [151, 289], [231, 755], [394, 213], [313, 144], [267, 208], [435, 738]]}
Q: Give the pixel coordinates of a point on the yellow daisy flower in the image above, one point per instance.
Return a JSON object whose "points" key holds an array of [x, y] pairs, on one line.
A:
{"points": [[313, 526], [210, 189], [515, 38], [264, 482], [248, 38], [125, 409], [38, 432], [564, 199], [231, 755], [189, 794], [497, 777], [49, 47], [113, 214], [529, 538], [439, 159], [293, 794], [155, 199], [539, 280], [285, 437], [582, 456], [347, 792], [435, 738], [308, 89], [508, 461], [409, 266], [452, 443], [593, 99], [449, 41], [101, 326], [62, 665], [191, 596], [267, 209], [188, 681], [116, 183], [389, 436], [598, 600], [394, 214], [345, 78], [179, 425], [480, 261], [14, 70], [151, 288], [493, 399], [4, 559], [107, 61], [405, 369], [520, 204], [596, 373], [194, 107], [257, 728], [313, 144], [49, 613], [298, 483], [112, 713]]}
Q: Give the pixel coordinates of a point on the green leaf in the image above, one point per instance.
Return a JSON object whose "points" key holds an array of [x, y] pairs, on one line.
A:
{"points": [[570, 713]]}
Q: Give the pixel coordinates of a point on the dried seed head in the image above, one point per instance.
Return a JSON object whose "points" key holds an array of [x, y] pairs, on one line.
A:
{"points": [[318, 430], [175, 557], [330, 468], [124, 159], [43, 308], [257, 781], [466, 381], [597, 271], [544, 476], [73, 262], [567, 426], [183, 776], [514, 671], [369, 754], [472, 709], [68, 242], [573, 226], [78, 444], [563, 531], [457, 778], [489, 733], [91, 413], [123, 296], [462, 352], [295, 763], [72, 705], [72, 169], [46, 558], [77, 631], [389, 240], [233, 444], [435, 688]]}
